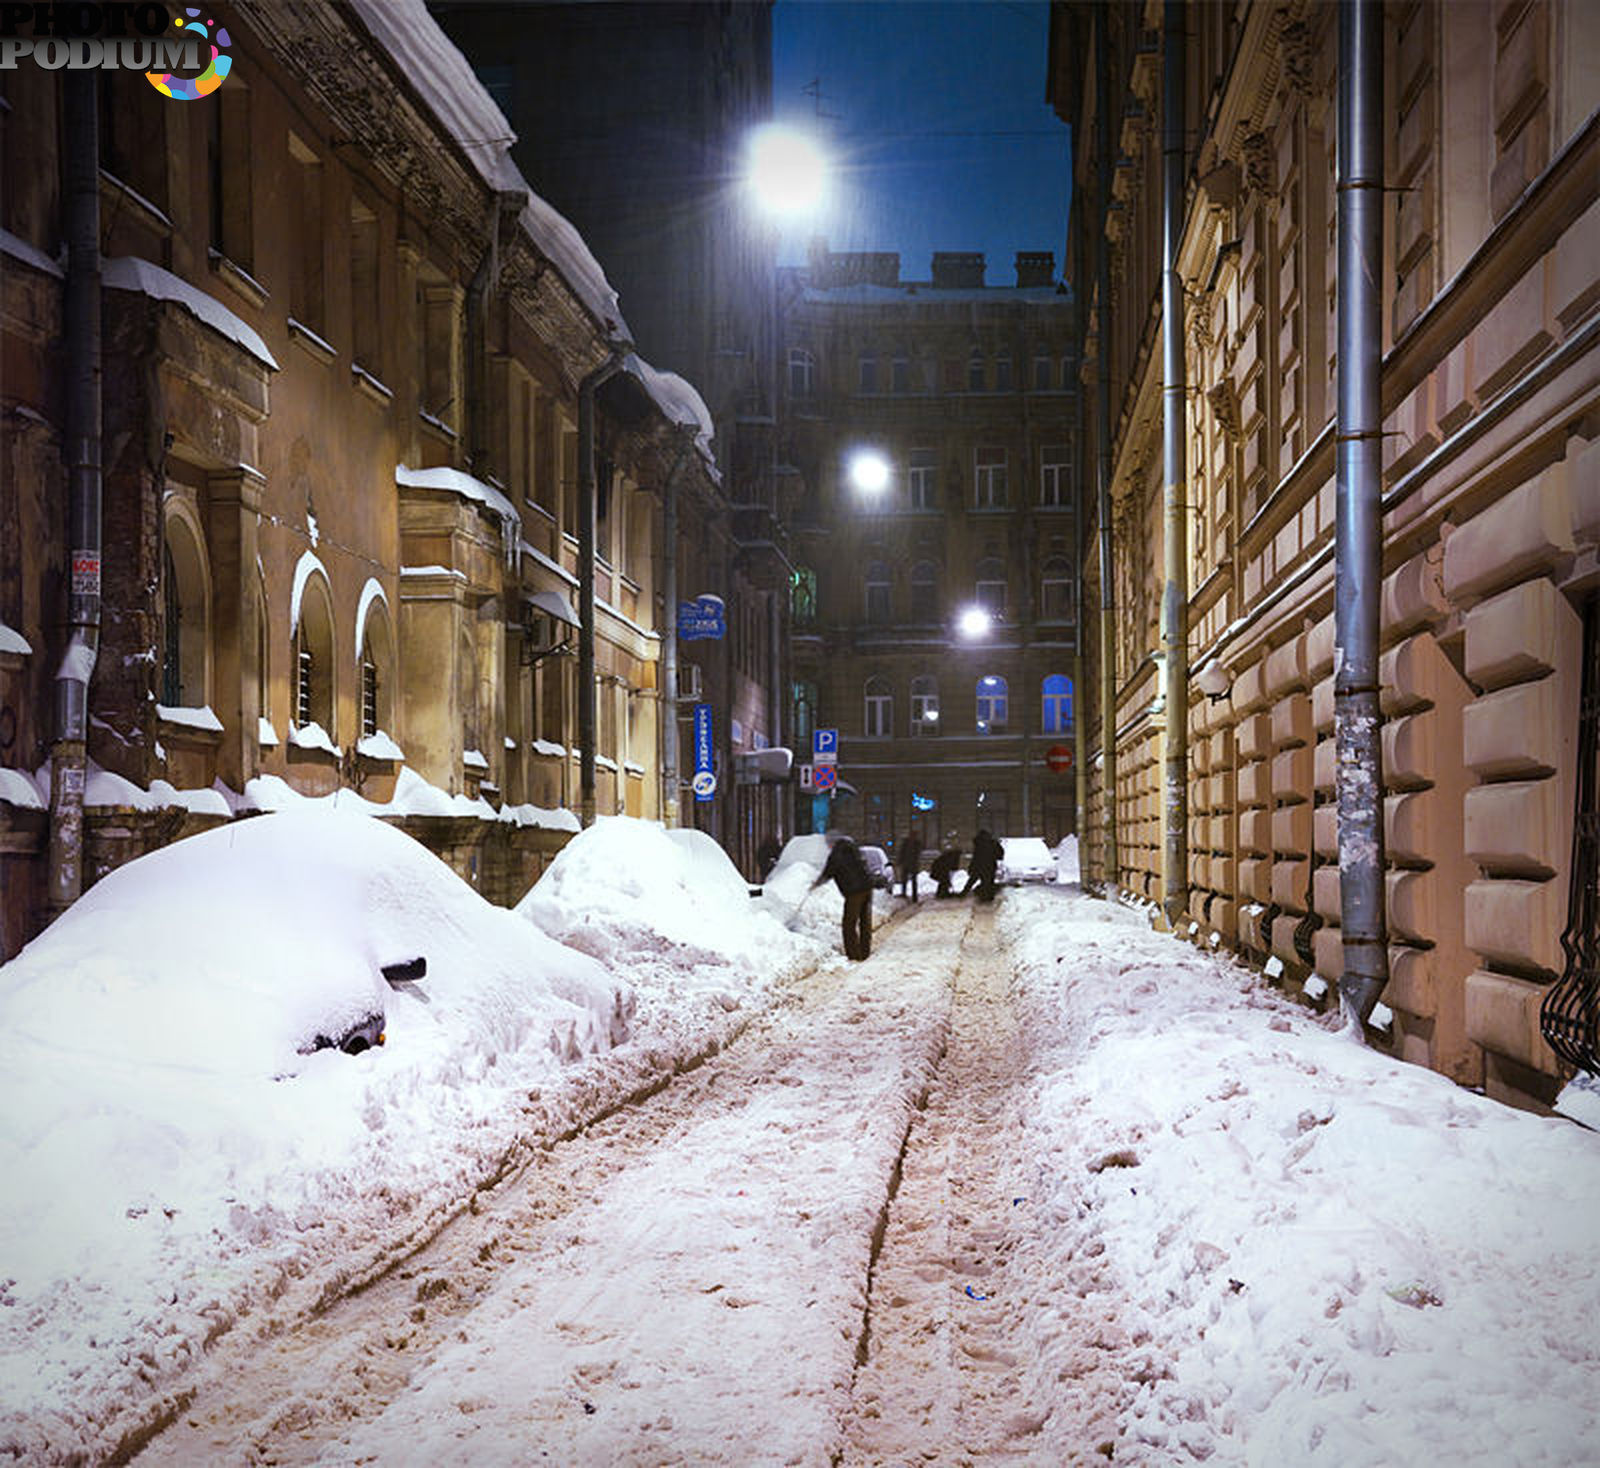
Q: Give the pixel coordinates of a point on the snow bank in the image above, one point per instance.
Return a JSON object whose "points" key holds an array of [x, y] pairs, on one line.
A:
{"points": [[1333, 1257], [168, 1141]]}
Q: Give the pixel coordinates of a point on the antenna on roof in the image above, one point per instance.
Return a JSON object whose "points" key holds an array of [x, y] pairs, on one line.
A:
{"points": [[813, 89]]}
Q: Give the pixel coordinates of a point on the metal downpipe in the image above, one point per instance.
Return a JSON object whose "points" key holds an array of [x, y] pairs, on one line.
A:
{"points": [[1080, 701], [1359, 544], [1108, 632], [586, 549], [69, 753], [1175, 594], [669, 638]]}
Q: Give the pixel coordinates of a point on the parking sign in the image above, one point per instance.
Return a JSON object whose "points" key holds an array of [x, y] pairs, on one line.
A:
{"points": [[824, 746]]}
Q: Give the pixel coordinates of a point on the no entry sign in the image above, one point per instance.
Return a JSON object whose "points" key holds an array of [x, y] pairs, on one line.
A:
{"points": [[1059, 758]]}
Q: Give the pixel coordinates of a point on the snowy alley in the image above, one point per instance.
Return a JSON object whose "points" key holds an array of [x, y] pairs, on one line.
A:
{"points": [[1032, 1184]]}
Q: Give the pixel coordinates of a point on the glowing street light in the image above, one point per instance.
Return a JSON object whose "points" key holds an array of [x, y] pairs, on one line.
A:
{"points": [[869, 472], [786, 170], [974, 622]]}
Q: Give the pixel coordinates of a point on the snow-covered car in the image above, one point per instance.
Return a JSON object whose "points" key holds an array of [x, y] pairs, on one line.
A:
{"points": [[878, 865], [1026, 859]]}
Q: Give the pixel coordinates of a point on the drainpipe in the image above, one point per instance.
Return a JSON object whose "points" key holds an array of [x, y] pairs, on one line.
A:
{"points": [[669, 637], [1080, 700], [1108, 630], [1175, 595], [477, 309], [586, 546], [69, 754], [1359, 543]]}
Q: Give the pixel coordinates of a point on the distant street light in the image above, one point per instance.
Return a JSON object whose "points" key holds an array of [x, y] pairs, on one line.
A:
{"points": [[974, 622], [869, 472], [786, 170]]}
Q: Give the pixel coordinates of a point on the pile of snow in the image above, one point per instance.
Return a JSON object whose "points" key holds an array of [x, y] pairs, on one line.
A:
{"points": [[169, 1145], [1325, 1255], [1067, 869]]}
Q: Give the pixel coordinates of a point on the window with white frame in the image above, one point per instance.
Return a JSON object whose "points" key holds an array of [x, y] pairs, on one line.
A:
{"points": [[1055, 590], [1057, 706], [802, 373], [922, 479], [989, 477], [925, 704], [924, 592], [1055, 475], [877, 708], [867, 374], [989, 586], [878, 584], [991, 704]]}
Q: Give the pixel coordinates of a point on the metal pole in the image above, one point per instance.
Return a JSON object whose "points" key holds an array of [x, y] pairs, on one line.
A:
{"points": [[586, 548], [669, 637], [1108, 629], [1175, 595], [69, 753], [1359, 542]]}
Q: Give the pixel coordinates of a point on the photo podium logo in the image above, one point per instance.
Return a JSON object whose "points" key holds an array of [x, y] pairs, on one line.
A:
{"points": [[61, 35]]}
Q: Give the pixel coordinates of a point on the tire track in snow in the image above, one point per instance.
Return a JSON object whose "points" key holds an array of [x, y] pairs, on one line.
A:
{"points": [[642, 1292]]}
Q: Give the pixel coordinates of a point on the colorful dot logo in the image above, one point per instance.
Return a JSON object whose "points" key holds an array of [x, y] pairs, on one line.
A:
{"points": [[188, 89]]}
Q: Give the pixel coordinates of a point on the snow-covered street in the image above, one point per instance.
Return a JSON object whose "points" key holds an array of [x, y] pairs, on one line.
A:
{"points": [[1033, 1184]]}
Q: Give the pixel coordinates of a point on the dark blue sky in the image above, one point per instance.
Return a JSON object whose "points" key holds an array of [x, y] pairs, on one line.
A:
{"points": [[939, 132]]}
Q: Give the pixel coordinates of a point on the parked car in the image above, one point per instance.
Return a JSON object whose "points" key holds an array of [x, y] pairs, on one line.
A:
{"points": [[879, 865], [1025, 859]]}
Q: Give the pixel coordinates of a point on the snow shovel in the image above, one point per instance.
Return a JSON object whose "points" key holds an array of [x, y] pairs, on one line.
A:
{"points": [[789, 921]]}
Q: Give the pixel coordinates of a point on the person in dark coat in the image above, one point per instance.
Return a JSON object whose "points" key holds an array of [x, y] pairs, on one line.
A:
{"points": [[908, 865], [944, 868], [984, 867], [848, 870]]}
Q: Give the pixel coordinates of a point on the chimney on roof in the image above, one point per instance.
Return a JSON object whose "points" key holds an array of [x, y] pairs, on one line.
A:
{"points": [[1036, 267], [956, 270]]}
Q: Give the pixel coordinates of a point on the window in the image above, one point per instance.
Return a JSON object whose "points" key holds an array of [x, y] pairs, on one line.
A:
{"points": [[922, 479], [878, 588], [438, 339], [1057, 711], [900, 374], [803, 597], [991, 704], [867, 374], [377, 657], [876, 720], [228, 160], [366, 308], [185, 622], [977, 375], [989, 478], [1055, 476], [803, 700], [307, 296], [925, 704], [1043, 373], [1055, 590], [924, 592], [1002, 373], [313, 657], [989, 588], [802, 373]]}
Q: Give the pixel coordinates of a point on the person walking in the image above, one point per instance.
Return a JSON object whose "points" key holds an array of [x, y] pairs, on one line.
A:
{"points": [[984, 867], [944, 868], [908, 865], [846, 867]]}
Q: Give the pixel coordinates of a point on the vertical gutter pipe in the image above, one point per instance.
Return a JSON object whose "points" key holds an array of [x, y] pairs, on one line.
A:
{"points": [[1175, 595], [69, 753], [586, 548], [1359, 535], [669, 637], [1108, 629]]}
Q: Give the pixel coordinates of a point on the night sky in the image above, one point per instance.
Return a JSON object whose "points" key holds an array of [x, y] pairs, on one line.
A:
{"points": [[934, 115]]}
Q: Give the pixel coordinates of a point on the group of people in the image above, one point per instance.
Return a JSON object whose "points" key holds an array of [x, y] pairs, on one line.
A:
{"points": [[847, 869]]}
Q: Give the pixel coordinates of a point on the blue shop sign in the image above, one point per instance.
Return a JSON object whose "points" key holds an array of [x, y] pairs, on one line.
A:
{"points": [[705, 616], [705, 774]]}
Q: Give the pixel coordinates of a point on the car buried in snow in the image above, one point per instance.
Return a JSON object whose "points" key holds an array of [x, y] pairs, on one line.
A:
{"points": [[1025, 859]]}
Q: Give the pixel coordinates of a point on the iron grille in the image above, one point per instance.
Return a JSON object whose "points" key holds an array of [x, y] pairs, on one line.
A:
{"points": [[1569, 1017], [302, 692]]}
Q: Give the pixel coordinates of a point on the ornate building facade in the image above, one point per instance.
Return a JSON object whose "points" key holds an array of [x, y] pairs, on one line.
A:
{"points": [[343, 348], [964, 397], [1490, 494]]}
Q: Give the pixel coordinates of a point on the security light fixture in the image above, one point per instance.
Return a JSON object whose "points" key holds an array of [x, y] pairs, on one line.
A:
{"points": [[1214, 680], [869, 471], [786, 170], [974, 622]]}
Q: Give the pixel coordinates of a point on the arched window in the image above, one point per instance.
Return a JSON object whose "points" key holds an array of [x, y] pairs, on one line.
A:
{"points": [[375, 659], [803, 597], [991, 704], [802, 373], [1055, 590], [989, 588], [877, 714], [313, 656], [878, 584], [924, 592], [977, 371], [925, 704], [263, 662], [1057, 692], [186, 620]]}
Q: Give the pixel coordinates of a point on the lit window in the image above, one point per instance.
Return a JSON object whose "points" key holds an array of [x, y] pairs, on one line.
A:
{"points": [[1057, 694], [991, 704], [925, 704]]}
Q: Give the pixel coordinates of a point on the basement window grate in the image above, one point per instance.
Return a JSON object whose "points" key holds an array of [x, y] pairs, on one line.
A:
{"points": [[1569, 1017]]}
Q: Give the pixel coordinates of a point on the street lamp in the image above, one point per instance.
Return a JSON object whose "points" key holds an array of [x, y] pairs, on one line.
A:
{"points": [[974, 622], [786, 170], [869, 471]]}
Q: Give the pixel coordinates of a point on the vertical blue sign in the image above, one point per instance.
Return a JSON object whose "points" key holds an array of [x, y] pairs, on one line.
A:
{"points": [[705, 774]]}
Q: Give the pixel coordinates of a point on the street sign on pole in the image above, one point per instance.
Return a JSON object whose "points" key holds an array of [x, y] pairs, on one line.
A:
{"points": [[806, 782], [705, 773], [824, 746], [1059, 758], [825, 777]]}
